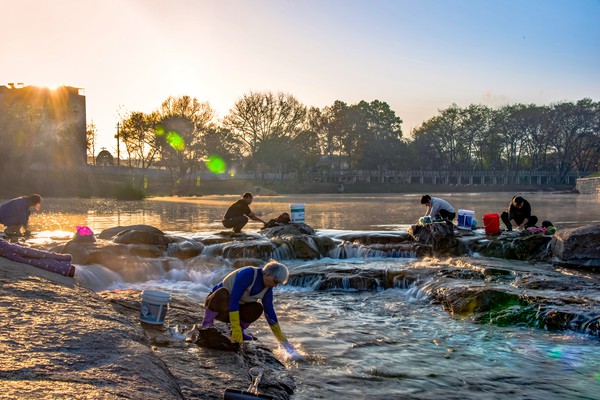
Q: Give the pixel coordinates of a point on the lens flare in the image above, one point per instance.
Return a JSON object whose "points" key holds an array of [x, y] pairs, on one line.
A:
{"points": [[555, 353], [197, 181], [216, 165], [159, 131], [175, 141]]}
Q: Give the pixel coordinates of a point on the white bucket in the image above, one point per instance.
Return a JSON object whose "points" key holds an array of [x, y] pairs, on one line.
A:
{"points": [[465, 219], [297, 212], [154, 306]]}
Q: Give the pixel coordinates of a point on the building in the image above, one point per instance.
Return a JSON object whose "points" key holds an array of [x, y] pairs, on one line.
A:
{"points": [[42, 127]]}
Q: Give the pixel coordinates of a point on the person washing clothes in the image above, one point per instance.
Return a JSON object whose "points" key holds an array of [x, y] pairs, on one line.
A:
{"points": [[519, 213], [438, 208], [15, 214], [235, 300], [238, 213]]}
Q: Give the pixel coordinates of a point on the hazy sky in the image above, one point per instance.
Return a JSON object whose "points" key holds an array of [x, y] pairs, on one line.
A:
{"points": [[419, 56]]}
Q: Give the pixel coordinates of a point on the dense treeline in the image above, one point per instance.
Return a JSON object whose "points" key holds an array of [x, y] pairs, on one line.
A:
{"points": [[274, 132], [266, 132]]}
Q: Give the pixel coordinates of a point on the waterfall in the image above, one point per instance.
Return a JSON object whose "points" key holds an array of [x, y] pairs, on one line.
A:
{"points": [[352, 250]]}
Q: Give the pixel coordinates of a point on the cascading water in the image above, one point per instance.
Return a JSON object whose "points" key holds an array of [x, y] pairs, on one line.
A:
{"points": [[369, 328]]}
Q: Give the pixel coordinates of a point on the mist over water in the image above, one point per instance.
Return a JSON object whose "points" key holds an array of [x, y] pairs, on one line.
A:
{"points": [[378, 344], [340, 212]]}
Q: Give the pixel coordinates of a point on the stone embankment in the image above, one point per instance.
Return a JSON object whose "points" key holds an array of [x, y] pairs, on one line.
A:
{"points": [[588, 186]]}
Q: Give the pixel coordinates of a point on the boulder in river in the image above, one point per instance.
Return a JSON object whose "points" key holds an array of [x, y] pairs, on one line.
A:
{"points": [[440, 236], [577, 247]]}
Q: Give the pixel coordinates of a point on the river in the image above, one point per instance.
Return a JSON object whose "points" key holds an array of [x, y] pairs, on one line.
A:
{"points": [[382, 344]]}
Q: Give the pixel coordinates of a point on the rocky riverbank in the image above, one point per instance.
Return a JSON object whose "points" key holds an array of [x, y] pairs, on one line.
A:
{"points": [[60, 339]]}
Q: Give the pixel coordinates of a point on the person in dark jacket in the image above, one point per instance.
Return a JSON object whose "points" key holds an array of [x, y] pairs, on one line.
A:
{"points": [[519, 214], [15, 213], [238, 213]]}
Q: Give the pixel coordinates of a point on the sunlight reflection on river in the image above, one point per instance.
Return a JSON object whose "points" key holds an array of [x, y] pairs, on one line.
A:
{"points": [[347, 212]]}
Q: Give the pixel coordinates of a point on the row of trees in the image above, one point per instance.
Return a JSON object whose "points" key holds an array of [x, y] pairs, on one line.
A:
{"points": [[274, 132], [562, 137]]}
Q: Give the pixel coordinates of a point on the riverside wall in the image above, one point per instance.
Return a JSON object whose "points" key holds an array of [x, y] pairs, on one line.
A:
{"points": [[588, 185]]}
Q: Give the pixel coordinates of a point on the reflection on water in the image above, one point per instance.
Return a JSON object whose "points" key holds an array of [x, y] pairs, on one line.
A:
{"points": [[348, 212]]}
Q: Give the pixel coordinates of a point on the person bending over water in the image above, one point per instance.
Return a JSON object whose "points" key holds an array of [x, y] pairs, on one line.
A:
{"points": [[519, 213], [438, 208], [15, 214], [235, 300], [238, 213]]}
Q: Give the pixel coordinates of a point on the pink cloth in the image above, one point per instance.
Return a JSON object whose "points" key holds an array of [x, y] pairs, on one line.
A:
{"points": [[53, 262]]}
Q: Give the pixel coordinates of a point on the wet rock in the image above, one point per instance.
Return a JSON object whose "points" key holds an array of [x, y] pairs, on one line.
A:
{"points": [[440, 236], [368, 238], [324, 244], [291, 229], [206, 368], [213, 338], [111, 232], [530, 247], [336, 276], [142, 237], [514, 293], [517, 293], [247, 262], [577, 247], [185, 249], [262, 249], [102, 252], [67, 342], [215, 239], [304, 246], [478, 300], [395, 250]]}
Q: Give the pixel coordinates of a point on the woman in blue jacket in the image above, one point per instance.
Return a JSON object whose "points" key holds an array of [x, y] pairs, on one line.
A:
{"points": [[235, 300]]}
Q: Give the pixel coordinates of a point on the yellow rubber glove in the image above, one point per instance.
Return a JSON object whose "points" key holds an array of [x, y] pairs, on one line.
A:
{"points": [[277, 332], [236, 329]]}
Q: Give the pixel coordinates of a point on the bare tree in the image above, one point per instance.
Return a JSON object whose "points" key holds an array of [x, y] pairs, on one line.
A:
{"points": [[90, 136], [260, 117], [183, 122]]}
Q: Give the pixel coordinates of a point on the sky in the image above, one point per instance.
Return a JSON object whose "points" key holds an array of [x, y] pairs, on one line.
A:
{"points": [[419, 56]]}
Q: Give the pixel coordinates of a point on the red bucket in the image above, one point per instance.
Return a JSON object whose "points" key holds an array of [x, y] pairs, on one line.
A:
{"points": [[491, 222]]}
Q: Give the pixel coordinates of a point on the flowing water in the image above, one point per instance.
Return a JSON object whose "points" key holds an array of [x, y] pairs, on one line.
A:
{"points": [[379, 344]]}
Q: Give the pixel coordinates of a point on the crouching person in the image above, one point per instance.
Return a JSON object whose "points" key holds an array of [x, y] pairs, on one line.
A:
{"points": [[235, 300]]}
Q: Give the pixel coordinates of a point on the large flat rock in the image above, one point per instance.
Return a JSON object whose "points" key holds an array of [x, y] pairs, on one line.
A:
{"points": [[59, 340]]}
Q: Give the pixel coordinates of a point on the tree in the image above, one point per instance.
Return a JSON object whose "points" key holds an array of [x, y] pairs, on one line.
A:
{"points": [[381, 137], [183, 122], [341, 132], [262, 117], [90, 138], [138, 133], [573, 136], [220, 143], [438, 140]]}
